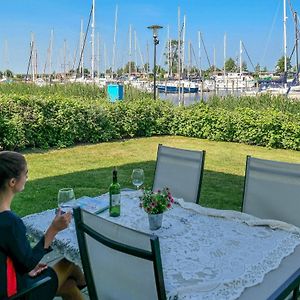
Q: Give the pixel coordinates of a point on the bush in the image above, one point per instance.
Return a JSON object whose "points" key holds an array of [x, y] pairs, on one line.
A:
{"points": [[45, 121]]}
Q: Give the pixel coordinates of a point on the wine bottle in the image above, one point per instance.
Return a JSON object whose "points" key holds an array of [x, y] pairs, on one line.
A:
{"points": [[114, 196]]}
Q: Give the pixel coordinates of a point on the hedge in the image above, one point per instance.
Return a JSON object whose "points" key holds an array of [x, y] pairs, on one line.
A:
{"points": [[34, 121]]}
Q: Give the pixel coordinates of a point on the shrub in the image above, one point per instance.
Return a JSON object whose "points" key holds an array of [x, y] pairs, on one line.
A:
{"points": [[44, 120]]}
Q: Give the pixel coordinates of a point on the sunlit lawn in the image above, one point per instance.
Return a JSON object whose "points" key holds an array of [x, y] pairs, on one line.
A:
{"points": [[87, 169]]}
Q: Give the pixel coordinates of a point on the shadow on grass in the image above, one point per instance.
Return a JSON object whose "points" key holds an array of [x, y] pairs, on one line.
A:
{"points": [[222, 190], [219, 190]]}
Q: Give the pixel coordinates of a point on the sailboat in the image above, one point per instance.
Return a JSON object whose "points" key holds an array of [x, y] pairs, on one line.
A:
{"points": [[283, 86]]}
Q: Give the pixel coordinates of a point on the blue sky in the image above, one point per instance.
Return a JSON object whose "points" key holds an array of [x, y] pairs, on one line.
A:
{"points": [[258, 23]]}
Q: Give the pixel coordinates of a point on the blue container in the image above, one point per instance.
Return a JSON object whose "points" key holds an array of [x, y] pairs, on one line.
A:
{"points": [[115, 92]]}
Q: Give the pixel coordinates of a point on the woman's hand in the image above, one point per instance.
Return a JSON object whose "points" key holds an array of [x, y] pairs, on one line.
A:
{"points": [[59, 223], [39, 268]]}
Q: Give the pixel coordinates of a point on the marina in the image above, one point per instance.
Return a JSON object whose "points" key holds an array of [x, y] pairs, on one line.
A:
{"points": [[184, 63]]}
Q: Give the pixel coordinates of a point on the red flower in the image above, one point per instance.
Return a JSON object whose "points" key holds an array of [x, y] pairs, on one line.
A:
{"points": [[156, 202]]}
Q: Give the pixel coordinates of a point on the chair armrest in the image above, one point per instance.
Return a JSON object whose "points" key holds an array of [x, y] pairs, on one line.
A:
{"points": [[28, 290]]}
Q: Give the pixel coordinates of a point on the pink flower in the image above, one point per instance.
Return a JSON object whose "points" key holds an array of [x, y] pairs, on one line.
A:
{"points": [[157, 201]]}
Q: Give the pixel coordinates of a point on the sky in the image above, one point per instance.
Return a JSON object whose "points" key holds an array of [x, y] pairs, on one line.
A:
{"points": [[257, 23]]}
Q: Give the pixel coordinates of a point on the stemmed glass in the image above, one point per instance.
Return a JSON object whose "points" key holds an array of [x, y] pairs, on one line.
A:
{"points": [[137, 177], [64, 196]]}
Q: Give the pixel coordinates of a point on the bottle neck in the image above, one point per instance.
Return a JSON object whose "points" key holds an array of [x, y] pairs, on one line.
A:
{"points": [[115, 177]]}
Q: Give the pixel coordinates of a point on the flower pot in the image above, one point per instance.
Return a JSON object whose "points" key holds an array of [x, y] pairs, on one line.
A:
{"points": [[155, 221]]}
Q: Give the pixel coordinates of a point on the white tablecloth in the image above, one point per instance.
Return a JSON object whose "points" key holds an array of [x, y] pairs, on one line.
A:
{"points": [[206, 254]]}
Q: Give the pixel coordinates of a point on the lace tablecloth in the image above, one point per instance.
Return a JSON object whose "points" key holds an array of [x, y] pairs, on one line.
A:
{"points": [[206, 254]]}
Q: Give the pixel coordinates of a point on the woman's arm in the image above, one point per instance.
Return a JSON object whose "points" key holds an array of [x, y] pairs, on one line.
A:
{"points": [[60, 222]]}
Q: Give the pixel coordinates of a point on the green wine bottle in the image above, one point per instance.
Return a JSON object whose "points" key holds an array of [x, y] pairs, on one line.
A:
{"points": [[114, 196]]}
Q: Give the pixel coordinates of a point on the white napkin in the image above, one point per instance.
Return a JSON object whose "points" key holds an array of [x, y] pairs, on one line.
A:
{"points": [[238, 216]]}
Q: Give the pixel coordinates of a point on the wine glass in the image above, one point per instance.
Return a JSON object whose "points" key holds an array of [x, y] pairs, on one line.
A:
{"points": [[64, 198], [137, 177]]}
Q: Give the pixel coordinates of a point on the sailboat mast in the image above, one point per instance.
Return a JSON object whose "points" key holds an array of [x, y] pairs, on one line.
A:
{"points": [[105, 59], [224, 55], [199, 52], [215, 67], [179, 46], [115, 37], [93, 42], [183, 45], [168, 46], [135, 53], [189, 59], [296, 41], [284, 36], [148, 60], [33, 57], [241, 63], [98, 54], [130, 51], [65, 57], [50, 52], [141, 57], [81, 47]]}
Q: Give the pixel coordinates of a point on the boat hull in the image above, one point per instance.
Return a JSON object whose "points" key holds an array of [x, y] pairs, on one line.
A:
{"points": [[175, 89]]}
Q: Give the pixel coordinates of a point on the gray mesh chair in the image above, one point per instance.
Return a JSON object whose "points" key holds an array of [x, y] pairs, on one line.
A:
{"points": [[119, 263], [272, 190], [180, 170]]}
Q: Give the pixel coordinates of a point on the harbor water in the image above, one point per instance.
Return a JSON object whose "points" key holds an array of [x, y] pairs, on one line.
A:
{"points": [[192, 98]]}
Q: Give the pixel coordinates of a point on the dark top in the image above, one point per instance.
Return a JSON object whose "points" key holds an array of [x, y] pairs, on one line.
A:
{"points": [[14, 244]]}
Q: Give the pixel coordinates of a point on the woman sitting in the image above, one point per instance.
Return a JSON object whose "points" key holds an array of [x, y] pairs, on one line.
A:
{"points": [[20, 264]]}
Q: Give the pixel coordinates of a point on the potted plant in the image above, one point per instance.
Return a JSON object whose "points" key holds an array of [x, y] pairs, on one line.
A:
{"points": [[154, 204]]}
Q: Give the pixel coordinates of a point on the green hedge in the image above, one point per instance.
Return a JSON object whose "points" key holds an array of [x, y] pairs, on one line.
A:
{"points": [[43, 122]]}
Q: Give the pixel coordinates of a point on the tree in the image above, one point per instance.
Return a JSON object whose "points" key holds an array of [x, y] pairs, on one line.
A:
{"points": [[230, 65], [280, 64], [147, 67], [244, 66], [8, 73], [86, 72], [120, 72], [132, 65], [173, 54], [257, 68], [160, 72]]}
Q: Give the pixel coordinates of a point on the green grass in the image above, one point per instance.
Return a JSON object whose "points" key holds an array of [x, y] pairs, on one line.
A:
{"points": [[87, 169]]}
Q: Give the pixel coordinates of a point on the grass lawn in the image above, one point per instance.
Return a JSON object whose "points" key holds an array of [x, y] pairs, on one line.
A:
{"points": [[87, 168]]}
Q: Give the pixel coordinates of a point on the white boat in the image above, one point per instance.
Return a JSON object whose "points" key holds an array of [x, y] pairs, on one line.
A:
{"points": [[174, 86], [230, 81]]}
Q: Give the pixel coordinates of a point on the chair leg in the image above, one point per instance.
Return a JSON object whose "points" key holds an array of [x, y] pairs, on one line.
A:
{"points": [[296, 293]]}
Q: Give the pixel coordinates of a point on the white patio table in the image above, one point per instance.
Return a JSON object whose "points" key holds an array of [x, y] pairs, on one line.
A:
{"points": [[206, 253]]}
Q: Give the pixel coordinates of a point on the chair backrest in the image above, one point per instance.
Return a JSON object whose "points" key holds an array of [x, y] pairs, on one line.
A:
{"points": [[272, 190], [119, 263], [180, 170]]}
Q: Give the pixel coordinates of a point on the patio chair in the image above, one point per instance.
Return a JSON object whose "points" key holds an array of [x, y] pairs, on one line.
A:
{"points": [[119, 263], [272, 189], [25, 293], [180, 170]]}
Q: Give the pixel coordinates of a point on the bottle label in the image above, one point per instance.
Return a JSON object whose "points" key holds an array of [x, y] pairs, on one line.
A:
{"points": [[115, 199]]}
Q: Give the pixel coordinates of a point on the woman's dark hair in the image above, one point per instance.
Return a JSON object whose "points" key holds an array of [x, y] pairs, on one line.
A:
{"points": [[11, 166]]}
